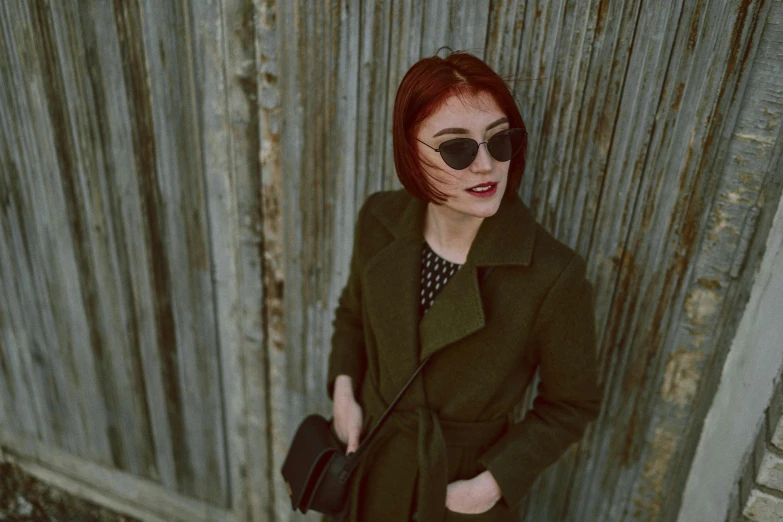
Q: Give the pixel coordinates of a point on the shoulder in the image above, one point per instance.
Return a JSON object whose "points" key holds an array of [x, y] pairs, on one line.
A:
{"points": [[387, 215], [550, 258], [565, 268], [391, 212], [550, 250]]}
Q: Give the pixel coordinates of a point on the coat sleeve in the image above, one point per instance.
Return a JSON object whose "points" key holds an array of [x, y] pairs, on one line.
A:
{"points": [[569, 395], [348, 356]]}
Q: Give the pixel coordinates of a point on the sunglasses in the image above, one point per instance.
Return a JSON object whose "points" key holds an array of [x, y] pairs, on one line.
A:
{"points": [[459, 153]]}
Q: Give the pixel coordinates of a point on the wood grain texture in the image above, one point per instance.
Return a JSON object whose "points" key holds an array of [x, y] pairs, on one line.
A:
{"points": [[623, 166], [179, 184], [111, 245]]}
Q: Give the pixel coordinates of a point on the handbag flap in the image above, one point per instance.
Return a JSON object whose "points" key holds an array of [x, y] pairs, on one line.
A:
{"points": [[333, 468], [311, 450]]}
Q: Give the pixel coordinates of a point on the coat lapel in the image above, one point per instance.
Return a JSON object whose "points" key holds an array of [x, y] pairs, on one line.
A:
{"points": [[392, 281], [392, 287], [456, 312], [505, 239]]}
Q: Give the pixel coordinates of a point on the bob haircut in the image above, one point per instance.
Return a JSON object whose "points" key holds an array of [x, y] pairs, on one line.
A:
{"points": [[425, 87]]}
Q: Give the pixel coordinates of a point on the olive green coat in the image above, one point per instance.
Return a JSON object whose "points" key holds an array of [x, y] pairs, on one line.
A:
{"points": [[534, 310]]}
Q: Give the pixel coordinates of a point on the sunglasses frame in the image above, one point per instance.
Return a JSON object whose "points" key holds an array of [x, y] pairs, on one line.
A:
{"points": [[478, 146]]}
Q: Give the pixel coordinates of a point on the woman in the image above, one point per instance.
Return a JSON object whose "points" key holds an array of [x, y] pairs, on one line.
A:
{"points": [[420, 284]]}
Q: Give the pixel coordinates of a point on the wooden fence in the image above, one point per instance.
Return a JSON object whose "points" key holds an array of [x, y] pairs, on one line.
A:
{"points": [[179, 182]]}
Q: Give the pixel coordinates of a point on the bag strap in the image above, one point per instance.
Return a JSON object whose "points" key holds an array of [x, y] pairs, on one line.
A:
{"points": [[353, 458]]}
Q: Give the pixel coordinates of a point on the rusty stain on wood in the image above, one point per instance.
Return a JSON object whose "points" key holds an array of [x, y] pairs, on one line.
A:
{"points": [[663, 447]]}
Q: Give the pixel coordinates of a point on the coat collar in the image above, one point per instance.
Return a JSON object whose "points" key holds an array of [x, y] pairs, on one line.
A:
{"points": [[392, 278], [503, 239]]}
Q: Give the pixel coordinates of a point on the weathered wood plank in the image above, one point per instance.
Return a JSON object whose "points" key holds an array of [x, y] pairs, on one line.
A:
{"points": [[21, 413], [283, 243], [112, 59], [462, 26], [404, 50], [89, 199], [663, 236], [644, 77], [179, 196], [505, 29], [705, 318], [239, 48], [261, 449], [374, 33], [40, 235], [210, 59], [559, 189]]}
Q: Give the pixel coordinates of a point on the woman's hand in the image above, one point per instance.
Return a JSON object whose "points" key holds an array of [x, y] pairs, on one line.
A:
{"points": [[473, 496], [347, 413]]}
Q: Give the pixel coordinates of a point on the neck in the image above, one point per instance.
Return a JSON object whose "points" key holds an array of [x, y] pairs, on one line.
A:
{"points": [[450, 233]]}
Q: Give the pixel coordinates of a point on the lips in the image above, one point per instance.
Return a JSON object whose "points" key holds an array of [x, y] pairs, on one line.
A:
{"points": [[483, 189]]}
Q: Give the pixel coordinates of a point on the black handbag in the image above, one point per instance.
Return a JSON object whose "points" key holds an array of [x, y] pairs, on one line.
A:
{"points": [[316, 469]]}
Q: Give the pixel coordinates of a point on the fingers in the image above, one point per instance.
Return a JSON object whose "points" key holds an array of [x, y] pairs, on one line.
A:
{"points": [[353, 442]]}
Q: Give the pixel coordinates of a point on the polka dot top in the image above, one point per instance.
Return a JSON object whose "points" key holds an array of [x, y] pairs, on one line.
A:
{"points": [[435, 273]]}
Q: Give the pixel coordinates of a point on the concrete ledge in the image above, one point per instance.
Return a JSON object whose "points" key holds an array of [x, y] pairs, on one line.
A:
{"points": [[763, 507], [777, 435], [771, 472], [121, 492]]}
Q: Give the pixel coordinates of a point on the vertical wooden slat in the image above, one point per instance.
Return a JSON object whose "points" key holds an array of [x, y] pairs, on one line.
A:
{"points": [[269, 53], [345, 163], [744, 203], [535, 68], [404, 51], [211, 54], [239, 48], [690, 114], [113, 61], [710, 69], [282, 241], [93, 198], [18, 393], [165, 187], [152, 212], [505, 27], [194, 359], [323, 266], [21, 411], [641, 88], [55, 318], [374, 25]]}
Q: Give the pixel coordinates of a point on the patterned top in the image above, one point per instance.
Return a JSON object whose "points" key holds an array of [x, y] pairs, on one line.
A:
{"points": [[435, 273]]}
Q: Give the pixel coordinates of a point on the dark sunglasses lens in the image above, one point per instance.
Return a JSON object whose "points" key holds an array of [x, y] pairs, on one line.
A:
{"points": [[505, 144], [458, 153]]}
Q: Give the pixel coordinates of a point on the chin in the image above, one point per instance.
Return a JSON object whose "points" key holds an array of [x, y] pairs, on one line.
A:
{"points": [[485, 210]]}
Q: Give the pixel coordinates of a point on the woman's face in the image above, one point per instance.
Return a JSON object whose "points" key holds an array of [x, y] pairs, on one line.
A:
{"points": [[478, 189]]}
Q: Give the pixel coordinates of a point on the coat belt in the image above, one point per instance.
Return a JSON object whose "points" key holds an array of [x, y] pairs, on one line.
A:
{"points": [[433, 435]]}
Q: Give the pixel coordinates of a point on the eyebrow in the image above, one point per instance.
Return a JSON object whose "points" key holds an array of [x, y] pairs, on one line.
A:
{"points": [[458, 130]]}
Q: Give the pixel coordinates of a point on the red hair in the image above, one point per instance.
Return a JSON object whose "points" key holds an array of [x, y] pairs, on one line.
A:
{"points": [[425, 87]]}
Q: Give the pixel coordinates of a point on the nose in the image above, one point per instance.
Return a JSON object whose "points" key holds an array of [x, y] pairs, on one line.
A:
{"points": [[483, 161]]}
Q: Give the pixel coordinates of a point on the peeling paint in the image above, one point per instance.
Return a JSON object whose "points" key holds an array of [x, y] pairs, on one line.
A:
{"points": [[681, 377], [701, 305]]}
